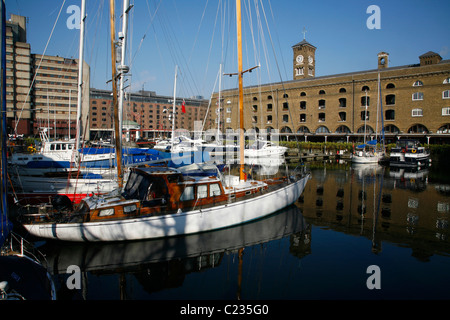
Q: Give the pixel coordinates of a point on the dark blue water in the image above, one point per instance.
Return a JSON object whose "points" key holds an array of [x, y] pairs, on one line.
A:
{"points": [[349, 218]]}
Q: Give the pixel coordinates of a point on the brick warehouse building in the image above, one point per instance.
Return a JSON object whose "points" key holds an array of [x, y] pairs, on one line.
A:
{"points": [[415, 101], [145, 114]]}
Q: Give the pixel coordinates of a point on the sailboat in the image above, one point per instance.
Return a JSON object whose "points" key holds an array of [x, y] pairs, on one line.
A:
{"points": [[368, 152], [159, 202]]}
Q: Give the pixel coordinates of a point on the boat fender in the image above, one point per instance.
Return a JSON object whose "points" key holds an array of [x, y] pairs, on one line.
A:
{"points": [[413, 150]]}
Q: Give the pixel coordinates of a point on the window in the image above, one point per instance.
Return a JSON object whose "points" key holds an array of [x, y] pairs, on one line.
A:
{"points": [[322, 117], [322, 129], [446, 111], [446, 81], [299, 71], [302, 117], [390, 86], [365, 101], [285, 95], [106, 212], [446, 94], [202, 191], [214, 190], [322, 104], [269, 107], [302, 105], [390, 99], [365, 88], [285, 106], [322, 92], [188, 194], [228, 110], [417, 96], [418, 83], [255, 108], [417, 113], [269, 119], [342, 102], [364, 115], [228, 120], [310, 71], [342, 116], [254, 119], [342, 90], [390, 115], [285, 118], [303, 94]]}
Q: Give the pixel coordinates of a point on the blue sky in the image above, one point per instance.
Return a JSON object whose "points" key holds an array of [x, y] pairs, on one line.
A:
{"points": [[199, 35]]}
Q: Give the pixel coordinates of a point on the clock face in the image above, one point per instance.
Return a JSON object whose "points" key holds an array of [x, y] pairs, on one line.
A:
{"points": [[299, 59], [310, 60]]}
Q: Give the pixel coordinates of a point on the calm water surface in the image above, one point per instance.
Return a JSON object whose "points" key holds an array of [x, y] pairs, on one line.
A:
{"points": [[348, 218]]}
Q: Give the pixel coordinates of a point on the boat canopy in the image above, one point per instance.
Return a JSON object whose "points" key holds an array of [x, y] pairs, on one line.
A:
{"points": [[368, 143]]}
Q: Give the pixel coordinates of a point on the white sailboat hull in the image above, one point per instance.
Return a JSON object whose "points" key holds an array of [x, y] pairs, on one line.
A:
{"points": [[181, 223], [367, 158]]}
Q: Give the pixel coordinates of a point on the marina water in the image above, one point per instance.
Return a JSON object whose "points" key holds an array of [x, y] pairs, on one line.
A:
{"points": [[357, 232]]}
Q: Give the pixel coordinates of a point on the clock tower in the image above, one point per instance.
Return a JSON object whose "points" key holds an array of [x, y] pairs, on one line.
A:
{"points": [[304, 65]]}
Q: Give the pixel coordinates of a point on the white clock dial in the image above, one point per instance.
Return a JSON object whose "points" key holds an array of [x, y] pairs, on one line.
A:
{"points": [[310, 60], [299, 59]]}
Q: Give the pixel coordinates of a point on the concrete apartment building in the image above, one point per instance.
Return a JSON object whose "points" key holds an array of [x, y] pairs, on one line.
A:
{"points": [[415, 101], [41, 90]]}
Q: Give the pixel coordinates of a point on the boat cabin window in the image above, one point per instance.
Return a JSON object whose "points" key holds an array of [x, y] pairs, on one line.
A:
{"points": [[214, 190], [129, 209], [188, 194], [145, 187], [202, 191], [106, 212]]}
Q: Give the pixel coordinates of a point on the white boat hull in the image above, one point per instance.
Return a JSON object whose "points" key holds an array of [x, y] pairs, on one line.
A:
{"points": [[181, 223]]}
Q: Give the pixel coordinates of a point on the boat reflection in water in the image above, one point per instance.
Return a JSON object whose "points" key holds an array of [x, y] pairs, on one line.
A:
{"points": [[164, 263]]}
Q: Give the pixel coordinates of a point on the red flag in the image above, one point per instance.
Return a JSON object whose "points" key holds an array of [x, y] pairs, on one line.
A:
{"points": [[183, 107]]}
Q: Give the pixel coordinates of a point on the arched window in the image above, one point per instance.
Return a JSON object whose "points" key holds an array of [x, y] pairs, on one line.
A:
{"points": [[303, 129], [322, 129], [369, 129], [286, 130], [390, 86], [446, 81], [444, 129], [390, 128], [418, 128], [342, 90], [322, 92], [285, 95], [417, 83], [303, 94], [269, 97], [255, 99], [365, 88], [343, 129]]}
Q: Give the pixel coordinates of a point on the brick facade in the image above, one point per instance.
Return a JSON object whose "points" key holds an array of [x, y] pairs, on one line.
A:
{"points": [[415, 101]]}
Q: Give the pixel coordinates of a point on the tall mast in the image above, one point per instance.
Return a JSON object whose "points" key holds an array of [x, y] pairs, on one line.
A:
{"points": [[174, 111], [122, 68], [241, 92], [117, 129], [80, 74]]}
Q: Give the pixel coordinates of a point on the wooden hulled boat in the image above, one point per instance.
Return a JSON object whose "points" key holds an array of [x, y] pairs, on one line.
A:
{"points": [[160, 202]]}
